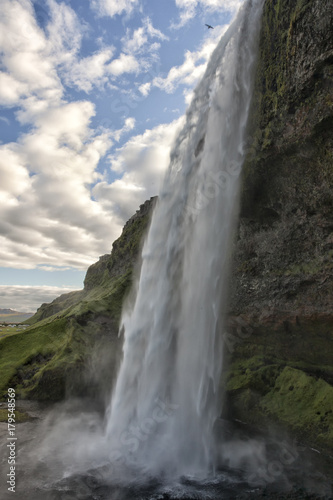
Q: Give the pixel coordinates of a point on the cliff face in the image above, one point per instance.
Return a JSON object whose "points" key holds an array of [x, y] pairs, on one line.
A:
{"points": [[282, 285], [285, 237]]}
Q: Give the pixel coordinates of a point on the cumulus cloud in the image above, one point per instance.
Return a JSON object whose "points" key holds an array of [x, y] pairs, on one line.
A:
{"points": [[64, 30], [49, 212], [52, 211], [29, 298], [28, 71], [136, 41], [137, 55], [126, 63], [65, 36], [36, 64], [114, 7], [90, 71], [141, 164], [145, 88]]}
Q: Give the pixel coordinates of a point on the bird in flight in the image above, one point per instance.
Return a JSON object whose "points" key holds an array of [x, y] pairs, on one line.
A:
{"points": [[209, 26]]}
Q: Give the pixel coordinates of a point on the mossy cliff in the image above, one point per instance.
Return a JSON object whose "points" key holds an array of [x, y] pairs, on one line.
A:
{"points": [[72, 344], [282, 287]]}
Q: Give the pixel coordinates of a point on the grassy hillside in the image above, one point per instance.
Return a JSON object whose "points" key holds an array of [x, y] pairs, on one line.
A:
{"points": [[72, 344]]}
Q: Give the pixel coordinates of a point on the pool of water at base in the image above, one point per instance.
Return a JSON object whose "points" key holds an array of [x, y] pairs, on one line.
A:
{"points": [[291, 471]]}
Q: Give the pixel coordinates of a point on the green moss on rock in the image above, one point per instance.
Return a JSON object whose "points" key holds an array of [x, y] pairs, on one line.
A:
{"points": [[303, 403]]}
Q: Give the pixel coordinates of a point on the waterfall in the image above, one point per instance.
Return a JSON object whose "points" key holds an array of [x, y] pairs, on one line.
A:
{"points": [[166, 398]]}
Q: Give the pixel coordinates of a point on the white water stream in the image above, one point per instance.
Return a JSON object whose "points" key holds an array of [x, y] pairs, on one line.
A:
{"points": [[166, 397]]}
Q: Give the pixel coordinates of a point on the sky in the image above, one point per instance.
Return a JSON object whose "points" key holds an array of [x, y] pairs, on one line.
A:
{"points": [[92, 95]]}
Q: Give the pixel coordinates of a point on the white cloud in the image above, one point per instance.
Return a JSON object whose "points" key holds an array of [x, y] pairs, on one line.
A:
{"points": [[10, 90], [188, 96], [29, 298], [37, 65], [51, 213], [141, 163], [14, 177], [56, 215], [187, 8], [65, 31], [137, 55], [50, 216], [128, 126], [65, 34], [28, 71], [89, 71], [138, 40], [114, 7], [126, 63], [145, 88]]}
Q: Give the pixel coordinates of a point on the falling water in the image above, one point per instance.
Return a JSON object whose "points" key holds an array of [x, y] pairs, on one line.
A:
{"points": [[166, 397]]}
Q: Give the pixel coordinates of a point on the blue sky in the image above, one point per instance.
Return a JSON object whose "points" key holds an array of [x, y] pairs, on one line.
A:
{"points": [[92, 94]]}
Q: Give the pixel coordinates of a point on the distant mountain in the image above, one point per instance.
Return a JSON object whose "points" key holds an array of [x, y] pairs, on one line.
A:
{"points": [[12, 316]]}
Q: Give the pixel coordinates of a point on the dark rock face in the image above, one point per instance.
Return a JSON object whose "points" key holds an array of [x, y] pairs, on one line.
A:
{"points": [[286, 226], [282, 285]]}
